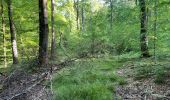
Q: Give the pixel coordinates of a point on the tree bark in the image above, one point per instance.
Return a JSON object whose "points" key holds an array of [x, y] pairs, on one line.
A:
{"points": [[13, 33], [83, 18], [143, 32], [111, 14], [136, 2], [92, 33], [53, 41], [3, 31], [43, 33], [76, 4]]}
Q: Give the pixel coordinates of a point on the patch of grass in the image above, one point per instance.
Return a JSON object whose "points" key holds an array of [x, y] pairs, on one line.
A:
{"points": [[9, 69], [87, 80], [121, 81], [162, 73], [159, 71], [160, 77], [143, 71], [29, 65], [131, 56], [88, 91]]}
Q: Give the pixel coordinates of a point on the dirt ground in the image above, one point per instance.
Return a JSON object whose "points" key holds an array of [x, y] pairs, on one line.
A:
{"points": [[20, 85], [144, 89]]}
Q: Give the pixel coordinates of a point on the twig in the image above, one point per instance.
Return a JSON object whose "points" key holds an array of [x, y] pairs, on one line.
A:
{"points": [[161, 96]]}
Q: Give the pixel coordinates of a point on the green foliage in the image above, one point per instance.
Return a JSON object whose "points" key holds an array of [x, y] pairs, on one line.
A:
{"points": [[92, 79], [123, 37], [159, 71], [160, 76], [162, 73], [29, 65], [84, 92], [144, 71]]}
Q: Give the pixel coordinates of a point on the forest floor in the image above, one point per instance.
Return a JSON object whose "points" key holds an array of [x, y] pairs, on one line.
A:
{"points": [[21, 85], [143, 83], [92, 79]]}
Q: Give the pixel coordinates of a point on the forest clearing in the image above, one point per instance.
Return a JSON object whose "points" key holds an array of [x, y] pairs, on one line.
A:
{"points": [[84, 50]]}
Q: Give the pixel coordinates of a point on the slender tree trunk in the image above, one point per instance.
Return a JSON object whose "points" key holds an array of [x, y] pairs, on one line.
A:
{"points": [[77, 15], [111, 14], [155, 27], [92, 37], [83, 18], [92, 33], [70, 23], [13, 33], [43, 33], [60, 42], [3, 31], [76, 6], [136, 2], [143, 32], [53, 41]]}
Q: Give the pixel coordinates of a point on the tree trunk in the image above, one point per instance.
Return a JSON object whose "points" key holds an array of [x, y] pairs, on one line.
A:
{"points": [[76, 7], [83, 19], [77, 14], [3, 31], [53, 41], [92, 33], [43, 33], [143, 32], [155, 27], [111, 14], [136, 2], [13, 34]]}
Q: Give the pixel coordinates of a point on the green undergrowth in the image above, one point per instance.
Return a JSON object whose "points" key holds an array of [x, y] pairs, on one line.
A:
{"points": [[159, 71], [9, 69], [92, 79]]}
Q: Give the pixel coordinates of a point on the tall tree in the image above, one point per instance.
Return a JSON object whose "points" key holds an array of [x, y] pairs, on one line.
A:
{"points": [[111, 14], [13, 33], [91, 30], [53, 41], [155, 27], [3, 31], [136, 2], [43, 33], [76, 6], [83, 15], [143, 31]]}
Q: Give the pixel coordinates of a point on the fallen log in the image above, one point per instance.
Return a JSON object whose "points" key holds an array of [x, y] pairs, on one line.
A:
{"points": [[59, 66], [62, 64]]}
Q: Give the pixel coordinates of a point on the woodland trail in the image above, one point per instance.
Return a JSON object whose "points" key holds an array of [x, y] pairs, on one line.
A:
{"points": [[20, 85]]}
